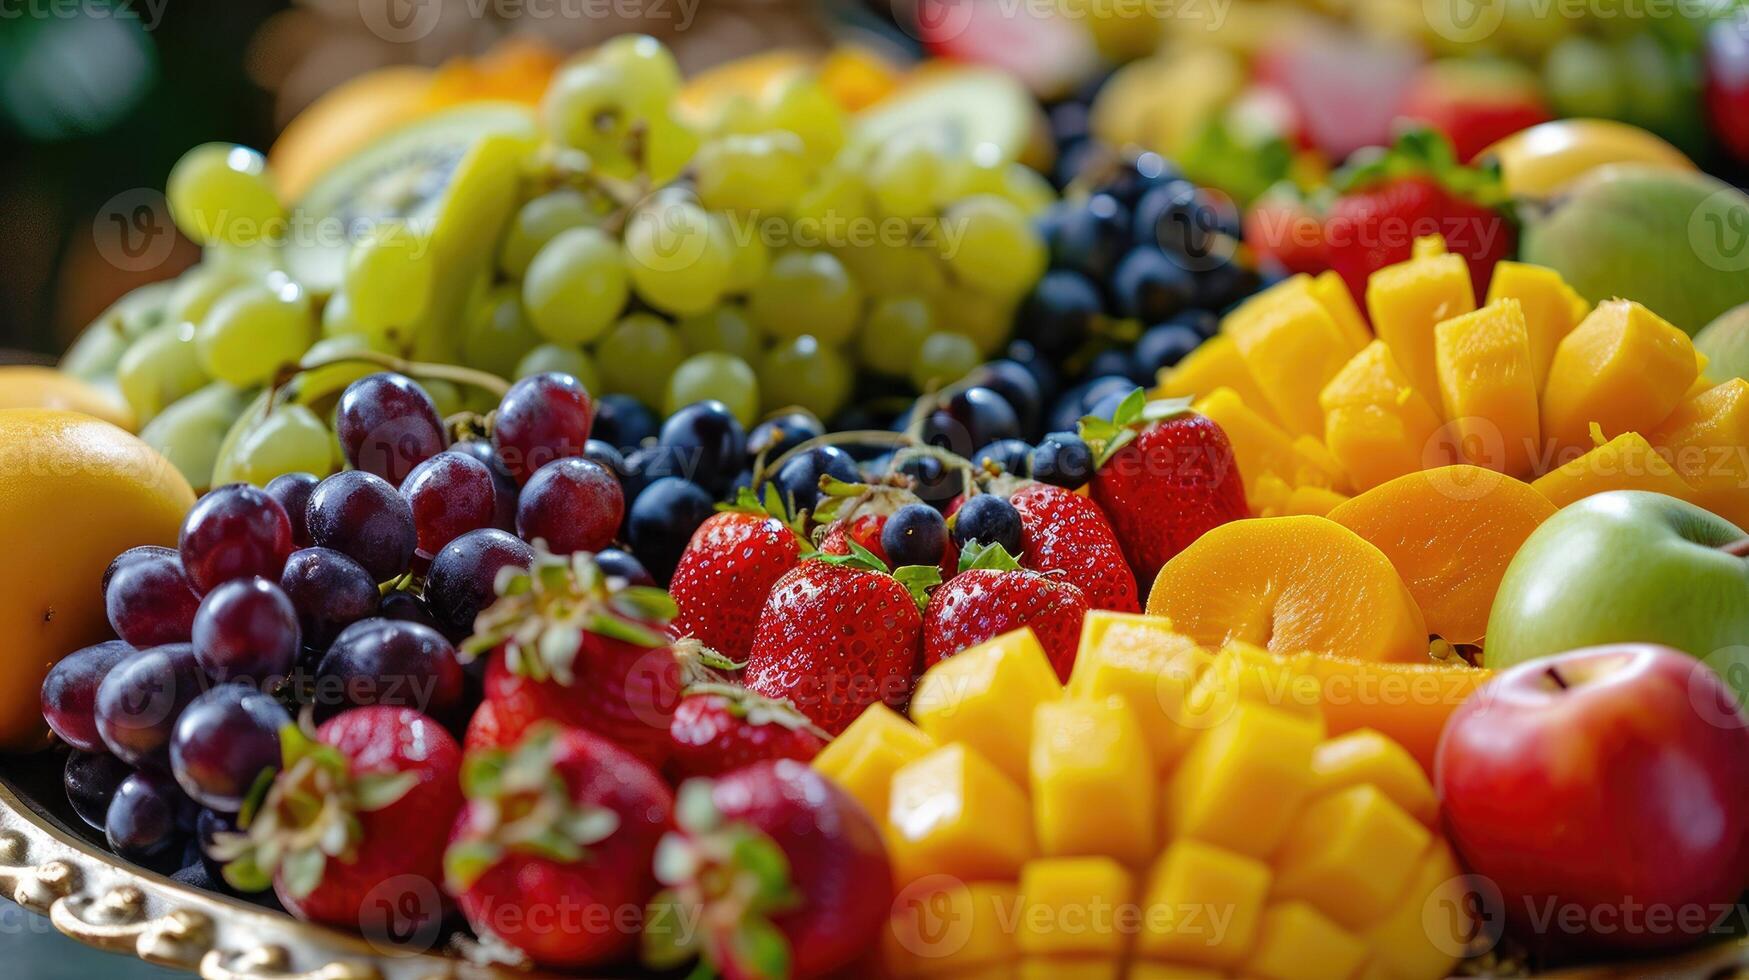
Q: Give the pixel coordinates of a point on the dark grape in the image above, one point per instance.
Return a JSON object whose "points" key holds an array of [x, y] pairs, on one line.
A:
{"points": [[247, 629], [1224, 282], [1165, 345], [623, 422], [142, 551], [1018, 386], [798, 481], [707, 441], [141, 698], [450, 494], [143, 817], [1043, 372], [91, 779], [504, 486], [1150, 286], [361, 515], [1069, 121], [622, 565], [234, 532], [915, 534], [69, 694], [605, 456], [409, 608], [990, 519], [1009, 455], [781, 433], [462, 577], [293, 490], [1202, 321], [390, 662], [931, 480], [662, 519], [1077, 158], [645, 466], [222, 743], [1109, 397], [571, 504], [1092, 237], [1117, 361], [1062, 460], [387, 425], [1059, 313], [543, 417], [1139, 177], [149, 601], [330, 592], [971, 417]]}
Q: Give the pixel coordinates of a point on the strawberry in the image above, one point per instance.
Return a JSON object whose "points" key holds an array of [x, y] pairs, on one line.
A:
{"points": [[719, 727], [1165, 475], [1066, 532], [567, 643], [1475, 103], [839, 633], [858, 512], [554, 851], [362, 804], [992, 595], [485, 730], [728, 569], [773, 872], [1282, 227]]}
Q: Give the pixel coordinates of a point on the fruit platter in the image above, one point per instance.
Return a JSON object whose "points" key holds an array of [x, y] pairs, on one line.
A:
{"points": [[1065, 507]]}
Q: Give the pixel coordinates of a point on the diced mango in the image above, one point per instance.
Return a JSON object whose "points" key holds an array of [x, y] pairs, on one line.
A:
{"points": [[1142, 660], [864, 757], [1188, 887], [1094, 790], [1150, 970], [1297, 942], [1409, 703], [1351, 854], [1406, 301], [1428, 924], [1707, 440], [1073, 907], [1214, 364], [1332, 293], [953, 812], [1242, 673], [1375, 423], [1627, 462], [1260, 449], [1293, 348], [1070, 968], [1309, 501], [1486, 387], [1623, 367], [945, 927], [1241, 783], [1365, 757], [984, 697], [1551, 308], [1318, 466]]}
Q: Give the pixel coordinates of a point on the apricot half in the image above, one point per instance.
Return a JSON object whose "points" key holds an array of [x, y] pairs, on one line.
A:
{"points": [[1290, 584]]}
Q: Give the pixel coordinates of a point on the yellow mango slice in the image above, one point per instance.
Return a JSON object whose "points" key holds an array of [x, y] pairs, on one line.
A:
{"points": [[945, 927], [1149, 970], [1188, 881], [1243, 673], [1069, 968], [1062, 896], [863, 758], [1148, 664], [1365, 757], [1317, 465], [1707, 441], [984, 696], [1551, 308], [1409, 703], [1297, 942], [1375, 423], [1350, 854], [1623, 367], [1240, 784], [1214, 364], [1627, 462], [953, 812], [1093, 782], [1260, 448], [1487, 388], [1426, 923], [1332, 293], [1293, 348], [1406, 301]]}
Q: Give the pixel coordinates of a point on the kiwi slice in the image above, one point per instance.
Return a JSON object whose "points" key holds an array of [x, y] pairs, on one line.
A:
{"points": [[964, 107]]}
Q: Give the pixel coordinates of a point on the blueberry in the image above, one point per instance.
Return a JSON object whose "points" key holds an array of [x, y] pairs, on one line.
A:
{"points": [[1059, 313], [606, 456], [646, 465], [1018, 386], [661, 522], [1135, 180], [1225, 284], [621, 564], [1202, 321], [989, 519], [1062, 460], [798, 482], [1150, 286], [972, 417], [1166, 345], [707, 441], [1069, 407], [1076, 158], [1027, 356], [1119, 362], [622, 422], [1069, 121], [781, 433], [1102, 389], [1009, 454], [915, 534], [1093, 236]]}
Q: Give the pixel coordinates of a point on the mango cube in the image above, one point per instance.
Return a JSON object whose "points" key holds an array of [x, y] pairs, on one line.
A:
{"points": [[1214, 364], [1069, 968], [1241, 783], [953, 812], [1551, 308], [1366, 757], [1375, 423], [1142, 660], [1428, 924], [1623, 367], [864, 757], [1332, 293], [1627, 462], [1310, 501], [951, 928], [1487, 388], [1297, 942], [1293, 348], [1150, 970], [1074, 907], [1704, 440], [1202, 905], [1261, 450], [1406, 301], [984, 696], [1245, 673], [1094, 791], [1351, 854]]}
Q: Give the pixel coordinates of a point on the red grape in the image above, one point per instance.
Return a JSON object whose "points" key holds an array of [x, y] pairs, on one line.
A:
{"points": [[387, 425], [450, 493], [69, 693], [391, 662], [222, 743], [247, 629], [462, 577], [234, 532], [504, 486], [143, 816], [543, 417], [141, 698], [148, 599], [293, 490], [330, 592], [143, 551], [91, 779], [573, 504], [361, 515]]}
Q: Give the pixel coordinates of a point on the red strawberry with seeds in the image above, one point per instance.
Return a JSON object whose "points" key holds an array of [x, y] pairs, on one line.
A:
{"points": [[992, 595], [554, 851], [570, 644], [1165, 475], [859, 513], [773, 872], [728, 569], [721, 727], [1066, 532], [363, 804]]}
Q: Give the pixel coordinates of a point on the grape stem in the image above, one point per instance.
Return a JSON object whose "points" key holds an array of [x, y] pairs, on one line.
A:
{"points": [[850, 437], [417, 369]]}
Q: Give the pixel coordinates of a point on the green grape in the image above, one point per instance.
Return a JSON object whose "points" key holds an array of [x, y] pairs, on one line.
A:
{"points": [[669, 145], [911, 178], [190, 431], [896, 327], [835, 202], [254, 330], [498, 333], [537, 221], [717, 375], [726, 328], [649, 67], [989, 245], [1660, 94], [248, 261], [446, 395], [593, 106], [943, 359], [219, 192], [1581, 78], [197, 289], [988, 321], [737, 113], [575, 286], [638, 355], [802, 106], [750, 260], [805, 373], [884, 268], [565, 360], [762, 172], [315, 384], [390, 277], [1016, 183], [807, 293], [290, 439], [159, 368], [680, 260]]}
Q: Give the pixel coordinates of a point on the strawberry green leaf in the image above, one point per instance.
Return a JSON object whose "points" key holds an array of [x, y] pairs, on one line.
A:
{"points": [[302, 870], [1130, 409], [978, 555], [483, 773], [669, 939], [257, 793], [859, 557], [765, 865], [918, 580], [760, 949], [467, 860], [246, 876], [377, 790]]}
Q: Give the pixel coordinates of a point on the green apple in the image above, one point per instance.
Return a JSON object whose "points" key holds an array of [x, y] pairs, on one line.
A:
{"points": [[1627, 567], [1725, 342]]}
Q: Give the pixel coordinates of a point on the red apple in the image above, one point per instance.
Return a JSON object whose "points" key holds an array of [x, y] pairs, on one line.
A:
{"points": [[1605, 792]]}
